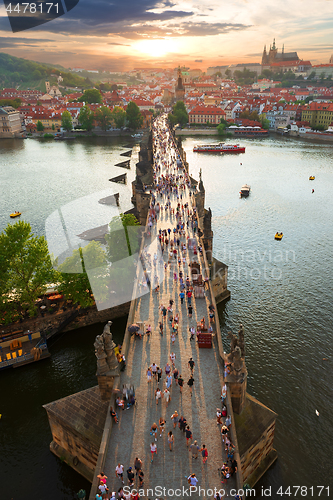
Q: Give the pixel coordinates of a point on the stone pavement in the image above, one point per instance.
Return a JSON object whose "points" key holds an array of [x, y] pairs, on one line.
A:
{"points": [[131, 437]]}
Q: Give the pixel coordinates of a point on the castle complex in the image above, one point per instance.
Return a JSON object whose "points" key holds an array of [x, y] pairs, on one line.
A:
{"points": [[274, 57]]}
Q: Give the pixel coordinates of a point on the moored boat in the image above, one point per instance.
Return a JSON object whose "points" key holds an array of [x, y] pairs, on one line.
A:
{"points": [[245, 190], [219, 148], [21, 348], [278, 236]]}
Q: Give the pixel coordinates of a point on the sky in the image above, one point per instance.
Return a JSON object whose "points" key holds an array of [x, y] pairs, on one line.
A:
{"points": [[119, 35]]}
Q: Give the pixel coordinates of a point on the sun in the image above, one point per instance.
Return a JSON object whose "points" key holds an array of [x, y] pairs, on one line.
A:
{"points": [[156, 48]]}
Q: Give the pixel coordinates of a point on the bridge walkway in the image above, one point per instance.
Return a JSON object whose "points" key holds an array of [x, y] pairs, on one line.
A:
{"points": [[131, 438]]}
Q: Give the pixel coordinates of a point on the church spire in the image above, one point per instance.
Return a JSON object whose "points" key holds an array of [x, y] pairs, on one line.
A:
{"points": [[274, 48], [283, 49]]}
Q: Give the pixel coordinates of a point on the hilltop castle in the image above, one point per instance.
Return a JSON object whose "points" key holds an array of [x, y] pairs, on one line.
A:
{"points": [[274, 57]]}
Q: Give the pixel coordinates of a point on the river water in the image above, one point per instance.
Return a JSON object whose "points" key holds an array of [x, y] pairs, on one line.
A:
{"points": [[280, 290]]}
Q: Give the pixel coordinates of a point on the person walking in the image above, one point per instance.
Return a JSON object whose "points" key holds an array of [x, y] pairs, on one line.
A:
{"points": [[204, 453], [167, 397], [130, 476], [189, 297], [182, 297], [192, 480], [173, 359], [175, 418], [159, 374], [170, 440], [180, 383], [190, 383], [194, 449], [228, 422], [153, 450], [224, 393], [158, 395], [149, 375], [218, 416], [224, 432], [192, 332], [182, 423], [120, 472], [188, 435], [140, 476], [190, 311], [191, 365], [167, 369], [154, 370], [161, 424], [153, 430], [168, 381], [175, 375], [161, 327], [137, 465]]}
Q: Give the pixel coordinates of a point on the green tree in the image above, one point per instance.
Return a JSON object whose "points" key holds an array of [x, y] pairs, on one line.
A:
{"points": [[179, 114], [73, 277], [66, 121], [103, 117], [264, 122], [40, 126], [122, 241], [25, 266], [133, 116], [118, 116], [221, 129], [91, 96], [86, 118]]}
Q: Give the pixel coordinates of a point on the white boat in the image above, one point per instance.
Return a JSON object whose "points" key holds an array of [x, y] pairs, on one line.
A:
{"points": [[245, 190]]}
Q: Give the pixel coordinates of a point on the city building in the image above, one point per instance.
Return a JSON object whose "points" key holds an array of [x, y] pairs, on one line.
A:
{"points": [[206, 114], [318, 113], [10, 123], [179, 88], [273, 56]]}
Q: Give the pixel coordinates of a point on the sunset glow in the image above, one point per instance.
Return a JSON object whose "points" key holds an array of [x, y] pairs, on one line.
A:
{"points": [[156, 48]]}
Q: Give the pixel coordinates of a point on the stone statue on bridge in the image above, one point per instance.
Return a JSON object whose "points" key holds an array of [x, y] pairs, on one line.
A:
{"points": [[104, 351], [237, 353]]}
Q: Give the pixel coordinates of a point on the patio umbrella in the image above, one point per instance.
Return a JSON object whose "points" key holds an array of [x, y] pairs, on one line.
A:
{"points": [[133, 328]]}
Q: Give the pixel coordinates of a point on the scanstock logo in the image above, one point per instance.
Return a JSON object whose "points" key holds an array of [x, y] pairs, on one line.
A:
{"points": [[25, 15], [71, 234]]}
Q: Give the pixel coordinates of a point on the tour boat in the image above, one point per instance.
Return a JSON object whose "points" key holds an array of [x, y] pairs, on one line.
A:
{"points": [[219, 148], [278, 236], [15, 214], [311, 178], [245, 190]]}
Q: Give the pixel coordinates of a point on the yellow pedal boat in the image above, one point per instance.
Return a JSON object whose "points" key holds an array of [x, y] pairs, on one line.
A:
{"points": [[311, 178], [278, 236], [15, 214]]}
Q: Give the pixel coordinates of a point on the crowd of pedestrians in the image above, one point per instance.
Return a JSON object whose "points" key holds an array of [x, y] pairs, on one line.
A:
{"points": [[178, 242]]}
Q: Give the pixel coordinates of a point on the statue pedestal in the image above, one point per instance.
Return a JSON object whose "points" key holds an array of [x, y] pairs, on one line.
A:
{"points": [[106, 383]]}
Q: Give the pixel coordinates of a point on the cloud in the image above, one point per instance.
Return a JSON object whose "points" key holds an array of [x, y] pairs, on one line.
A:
{"points": [[122, 44], [198, 60], [8, 43], [100, 17], [317, 48]]}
